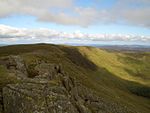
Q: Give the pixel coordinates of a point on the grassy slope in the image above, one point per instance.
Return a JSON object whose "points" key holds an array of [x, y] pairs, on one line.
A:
{"points": [[117, 77], [129, 66]]}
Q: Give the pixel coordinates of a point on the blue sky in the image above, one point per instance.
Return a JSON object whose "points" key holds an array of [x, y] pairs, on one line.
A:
{"points": [[126, 17], [26, 21]]}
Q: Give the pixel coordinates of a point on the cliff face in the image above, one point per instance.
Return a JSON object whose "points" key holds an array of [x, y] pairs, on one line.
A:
{"points": [[49, 90]]}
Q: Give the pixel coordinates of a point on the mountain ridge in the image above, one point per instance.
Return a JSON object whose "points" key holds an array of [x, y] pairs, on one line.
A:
{"points": [[113, 76]]}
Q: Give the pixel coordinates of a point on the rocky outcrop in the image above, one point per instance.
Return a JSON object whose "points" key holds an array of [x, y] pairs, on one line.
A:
{"points": [[50, 91], [1, 102]]}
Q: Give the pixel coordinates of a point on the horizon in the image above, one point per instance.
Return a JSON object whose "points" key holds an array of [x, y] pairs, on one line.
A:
{"points": [[101, 22], [90, 45]]}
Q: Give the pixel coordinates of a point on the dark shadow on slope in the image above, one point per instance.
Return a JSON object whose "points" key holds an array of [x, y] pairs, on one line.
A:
{"points": [[138, 89], [133, 87], [78, 59]]}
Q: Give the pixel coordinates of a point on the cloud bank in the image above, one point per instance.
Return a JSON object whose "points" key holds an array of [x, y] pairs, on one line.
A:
{"points": [[10, 34], [66, 12]]}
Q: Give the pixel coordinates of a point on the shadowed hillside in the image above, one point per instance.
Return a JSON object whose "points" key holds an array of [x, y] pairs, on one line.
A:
{"points": [[117, 77]]}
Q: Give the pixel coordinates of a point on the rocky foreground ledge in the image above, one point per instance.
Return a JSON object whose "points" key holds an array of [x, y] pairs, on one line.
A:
{"points": [[50, 90]]}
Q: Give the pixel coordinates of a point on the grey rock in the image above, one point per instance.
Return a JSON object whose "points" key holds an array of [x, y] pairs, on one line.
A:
{"points": [[50, 91], [1, 101], [16, 65]]}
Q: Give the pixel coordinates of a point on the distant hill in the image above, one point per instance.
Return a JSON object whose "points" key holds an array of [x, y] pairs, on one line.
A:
{"points": [[106, 81], [2, 44], [138, 48], [123, 48]]}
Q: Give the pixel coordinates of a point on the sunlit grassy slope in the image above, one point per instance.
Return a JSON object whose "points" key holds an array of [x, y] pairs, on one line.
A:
{"points": [[118, 77], [129, 66]]}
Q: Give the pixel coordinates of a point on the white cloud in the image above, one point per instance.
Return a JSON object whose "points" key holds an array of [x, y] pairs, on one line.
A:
{"points": [[66, 12], [16, 35], [49, 11]]}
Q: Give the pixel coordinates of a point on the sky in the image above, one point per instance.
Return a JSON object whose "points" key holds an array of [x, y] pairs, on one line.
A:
{"points": [[75, 21]]}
